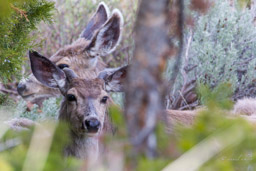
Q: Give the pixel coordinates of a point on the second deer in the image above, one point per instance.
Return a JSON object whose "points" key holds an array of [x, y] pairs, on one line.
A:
{"points": [[99, 38]]}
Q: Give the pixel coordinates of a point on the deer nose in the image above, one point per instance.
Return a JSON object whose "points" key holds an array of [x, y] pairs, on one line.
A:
{"points": [[92, 125], [20, 88]]}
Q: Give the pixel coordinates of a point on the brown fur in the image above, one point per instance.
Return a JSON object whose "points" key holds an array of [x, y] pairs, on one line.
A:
{"points": [[182, 117], [78, 60], [100, 38], [87, 88], [71, 55], [83, 145], [88, 105], [245, 106]]}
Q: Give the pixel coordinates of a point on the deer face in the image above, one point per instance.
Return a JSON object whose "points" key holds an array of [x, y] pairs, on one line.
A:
{"points": [[85, 100], [100, 37], [85, 104]]}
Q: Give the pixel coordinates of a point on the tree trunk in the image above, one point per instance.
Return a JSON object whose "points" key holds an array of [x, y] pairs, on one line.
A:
{"points": [[144, 90]]}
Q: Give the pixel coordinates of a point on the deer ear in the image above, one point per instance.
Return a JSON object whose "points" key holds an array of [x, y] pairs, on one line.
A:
{"points": [[98, 19], [114, 78], [107, 38], [46, 72]]}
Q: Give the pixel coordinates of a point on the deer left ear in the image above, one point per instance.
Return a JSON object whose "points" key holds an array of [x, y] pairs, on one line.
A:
{"points": [[98, 19], [107, 38], [114, 78], [46, 72]]}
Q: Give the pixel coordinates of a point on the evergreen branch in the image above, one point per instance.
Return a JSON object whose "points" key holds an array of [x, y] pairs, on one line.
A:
{"points": [[21, 12]]}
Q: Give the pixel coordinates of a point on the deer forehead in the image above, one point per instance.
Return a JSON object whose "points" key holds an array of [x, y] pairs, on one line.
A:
{"points": [[74, 55], [86, 88], [74, 49]]}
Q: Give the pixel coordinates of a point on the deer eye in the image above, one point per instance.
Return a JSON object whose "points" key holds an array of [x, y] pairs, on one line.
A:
{"points": [[61, 66], [71, 97], [104, 99]]}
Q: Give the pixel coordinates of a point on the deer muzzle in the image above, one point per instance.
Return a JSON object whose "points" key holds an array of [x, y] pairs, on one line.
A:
{"points": [[92, 125]]}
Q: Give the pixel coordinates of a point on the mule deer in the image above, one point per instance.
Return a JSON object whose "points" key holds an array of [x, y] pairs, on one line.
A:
{"points": [[100, 37], [84, 104]]}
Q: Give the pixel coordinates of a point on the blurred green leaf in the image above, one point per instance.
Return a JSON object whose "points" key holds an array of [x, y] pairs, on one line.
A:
{"points": [[151, 164], [243, 3], [5, 165], [218, 97]]}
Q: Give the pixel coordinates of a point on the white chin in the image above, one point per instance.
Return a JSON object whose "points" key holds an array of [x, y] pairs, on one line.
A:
{"points": [[92, 134]]}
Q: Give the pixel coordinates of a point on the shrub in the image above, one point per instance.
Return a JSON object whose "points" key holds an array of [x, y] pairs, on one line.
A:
{"points": [[224, 46], [49, 110], [223, 49]]}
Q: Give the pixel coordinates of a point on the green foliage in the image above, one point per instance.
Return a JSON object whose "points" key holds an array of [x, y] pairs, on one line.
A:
{"points": [[18, 18], [6, 101], [151, 165], [118, 124], [243, 3], [223, 45], [15, 158], [116, 116], [55, 158], [216, 97], [3, 98]]}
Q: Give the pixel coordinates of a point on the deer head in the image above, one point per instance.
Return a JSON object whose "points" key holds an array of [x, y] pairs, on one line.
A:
{"points": [[84, 103], [85, 100], [99, 38]]}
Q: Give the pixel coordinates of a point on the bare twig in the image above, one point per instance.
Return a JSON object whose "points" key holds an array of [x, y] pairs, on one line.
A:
{"points": [[186, 57], [189, 106]]}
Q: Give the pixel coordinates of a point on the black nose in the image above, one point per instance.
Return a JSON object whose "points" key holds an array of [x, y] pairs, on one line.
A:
{"points": [[92, 125], [21, 88]]}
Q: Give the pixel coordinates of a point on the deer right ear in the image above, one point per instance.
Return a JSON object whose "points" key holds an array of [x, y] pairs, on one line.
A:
{"points": [[114, 78], [98, 19], [46, 72]]}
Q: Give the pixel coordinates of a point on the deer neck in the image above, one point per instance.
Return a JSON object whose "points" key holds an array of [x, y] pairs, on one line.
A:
{"points": [[80, 146], [83, 147]]}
